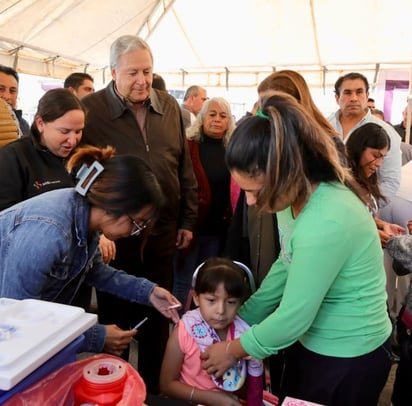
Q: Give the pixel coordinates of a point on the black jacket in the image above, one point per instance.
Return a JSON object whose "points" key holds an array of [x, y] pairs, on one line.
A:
{"points": [[28, 169]]}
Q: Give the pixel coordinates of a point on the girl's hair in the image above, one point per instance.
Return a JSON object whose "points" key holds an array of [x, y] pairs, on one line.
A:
{"points": [[125, 186], [217, 270], [53, 104], [289, 148], [293, 83], [369, 135], [195, 132]]}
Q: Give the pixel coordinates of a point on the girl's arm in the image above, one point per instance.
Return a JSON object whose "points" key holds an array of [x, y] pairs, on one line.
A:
{"points": [[171, 386]]}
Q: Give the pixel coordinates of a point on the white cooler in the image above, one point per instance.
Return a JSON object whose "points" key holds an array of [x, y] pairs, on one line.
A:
{"points": [[33, 331]]}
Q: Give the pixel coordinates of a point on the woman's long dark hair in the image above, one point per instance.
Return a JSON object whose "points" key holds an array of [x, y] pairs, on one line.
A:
{"points": [[126, 185], [290, 149], [53, 104], [369, 135]]}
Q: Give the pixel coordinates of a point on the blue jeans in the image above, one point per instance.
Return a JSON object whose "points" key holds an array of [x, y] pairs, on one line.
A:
{"points": [[206, 246]]}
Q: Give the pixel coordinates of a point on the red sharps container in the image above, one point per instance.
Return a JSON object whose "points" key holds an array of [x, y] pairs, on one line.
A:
{"points": [[101, 384]]}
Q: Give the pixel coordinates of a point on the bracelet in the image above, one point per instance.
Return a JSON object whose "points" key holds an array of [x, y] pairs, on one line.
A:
{"points": [[191, 394]]}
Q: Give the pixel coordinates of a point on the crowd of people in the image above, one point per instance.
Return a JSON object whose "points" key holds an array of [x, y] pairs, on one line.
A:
{"points": [[133, 192]]}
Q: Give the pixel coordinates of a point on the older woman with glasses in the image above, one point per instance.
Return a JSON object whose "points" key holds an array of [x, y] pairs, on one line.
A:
{"points": [[117, 196]]}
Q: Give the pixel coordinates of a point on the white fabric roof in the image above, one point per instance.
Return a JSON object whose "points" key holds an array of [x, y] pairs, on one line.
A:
{"points": [[214, 42]]}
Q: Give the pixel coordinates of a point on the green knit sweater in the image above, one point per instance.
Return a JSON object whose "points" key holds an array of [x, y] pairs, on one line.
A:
{"points": [[327, 288]]}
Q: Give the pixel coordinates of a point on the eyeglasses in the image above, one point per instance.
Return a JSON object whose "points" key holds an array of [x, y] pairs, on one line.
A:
{"points": [[137, 228]]}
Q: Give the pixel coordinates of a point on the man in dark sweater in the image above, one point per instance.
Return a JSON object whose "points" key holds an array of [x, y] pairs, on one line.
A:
{"points": [[136, 119]]}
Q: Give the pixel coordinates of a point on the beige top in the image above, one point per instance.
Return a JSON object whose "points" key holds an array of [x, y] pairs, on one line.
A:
{"points": [[9, 131]]}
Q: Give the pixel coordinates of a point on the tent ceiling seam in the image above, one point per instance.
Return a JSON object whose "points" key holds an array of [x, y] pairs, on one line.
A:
{"points": [[316, 39], [48, 54], [167, 5], [187, 38]]}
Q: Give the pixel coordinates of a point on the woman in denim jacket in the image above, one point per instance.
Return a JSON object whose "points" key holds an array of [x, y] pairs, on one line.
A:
{"points": [[49, 243]]}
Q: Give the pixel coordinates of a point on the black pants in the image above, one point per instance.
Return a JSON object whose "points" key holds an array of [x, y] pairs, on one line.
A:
{"points": [[401, 395], [157, 266], [334, 381], [276, 371]]}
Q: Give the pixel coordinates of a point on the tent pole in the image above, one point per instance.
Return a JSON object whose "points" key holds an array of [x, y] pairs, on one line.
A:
{"points": [[183, 77], [408, 119], [375, 78], [408, 110], [324, 70], [15, 52], [227, 78]]}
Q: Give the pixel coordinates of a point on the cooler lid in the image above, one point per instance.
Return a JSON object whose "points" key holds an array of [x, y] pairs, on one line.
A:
{"points": [[32, 331]]}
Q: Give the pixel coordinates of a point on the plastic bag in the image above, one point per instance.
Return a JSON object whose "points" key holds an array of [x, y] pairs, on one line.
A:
{"points": [[57, 389]]}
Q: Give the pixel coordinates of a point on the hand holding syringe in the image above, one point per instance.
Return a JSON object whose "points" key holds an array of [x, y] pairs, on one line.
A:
{"points": [[136, 327]]}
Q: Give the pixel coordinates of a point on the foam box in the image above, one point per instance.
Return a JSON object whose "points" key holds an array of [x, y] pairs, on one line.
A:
{"points": [[32, 332], [63, 357]]}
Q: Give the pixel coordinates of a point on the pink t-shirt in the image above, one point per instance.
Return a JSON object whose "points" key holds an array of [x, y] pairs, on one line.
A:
{"points": [[192, 373]]}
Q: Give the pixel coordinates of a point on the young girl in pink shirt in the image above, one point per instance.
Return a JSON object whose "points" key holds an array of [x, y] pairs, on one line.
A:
{"points": [[220, 288]]}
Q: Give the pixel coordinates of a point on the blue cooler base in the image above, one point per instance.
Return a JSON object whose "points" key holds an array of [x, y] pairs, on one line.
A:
{"points": [[63, 357]]}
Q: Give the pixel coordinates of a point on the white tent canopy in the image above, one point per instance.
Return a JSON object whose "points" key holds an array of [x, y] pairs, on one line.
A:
{"points": [[213, 43]]}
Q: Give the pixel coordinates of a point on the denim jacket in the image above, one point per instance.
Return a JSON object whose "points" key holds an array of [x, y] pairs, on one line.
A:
{"points": [[47, 252]]}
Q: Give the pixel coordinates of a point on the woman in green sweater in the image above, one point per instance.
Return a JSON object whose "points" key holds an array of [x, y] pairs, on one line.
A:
{"points": [[324, 299]]}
